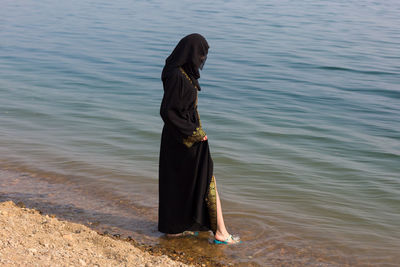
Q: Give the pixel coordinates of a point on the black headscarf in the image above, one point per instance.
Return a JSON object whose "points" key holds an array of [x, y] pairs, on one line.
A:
{"points": [[188, 54]]}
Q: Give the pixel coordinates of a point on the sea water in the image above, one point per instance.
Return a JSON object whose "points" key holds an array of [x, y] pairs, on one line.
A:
{"points": [[300, 101]]}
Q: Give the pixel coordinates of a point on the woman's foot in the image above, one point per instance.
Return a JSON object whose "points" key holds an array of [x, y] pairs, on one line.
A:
{"points": [[226, 238], [173, 235], [230, 240], [185, 233]]}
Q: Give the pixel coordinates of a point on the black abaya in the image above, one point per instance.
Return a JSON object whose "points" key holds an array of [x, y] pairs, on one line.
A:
{"points": [[186, 183]]}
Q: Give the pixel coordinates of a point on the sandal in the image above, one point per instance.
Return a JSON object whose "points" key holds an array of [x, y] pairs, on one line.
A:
{"points": [[235, 240], [190, 233]]}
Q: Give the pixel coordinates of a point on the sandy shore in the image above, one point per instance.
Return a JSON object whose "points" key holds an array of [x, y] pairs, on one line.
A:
{"points": [[28, 238]]}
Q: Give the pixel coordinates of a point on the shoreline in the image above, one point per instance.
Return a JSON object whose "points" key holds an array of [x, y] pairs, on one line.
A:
{"points": [[70, 203], [120, 218], [29, 237]]}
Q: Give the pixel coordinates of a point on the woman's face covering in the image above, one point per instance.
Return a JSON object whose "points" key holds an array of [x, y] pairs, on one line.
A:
{"points": [[202, 61]]}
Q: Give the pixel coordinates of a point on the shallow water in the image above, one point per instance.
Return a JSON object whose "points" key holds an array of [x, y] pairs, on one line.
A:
{"points": [[300, 101]]}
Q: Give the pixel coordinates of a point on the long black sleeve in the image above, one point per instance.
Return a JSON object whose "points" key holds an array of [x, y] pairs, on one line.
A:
{"points": [[177, 108]]}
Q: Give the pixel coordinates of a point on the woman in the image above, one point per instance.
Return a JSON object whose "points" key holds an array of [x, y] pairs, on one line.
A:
{"points": [[188, 197]]}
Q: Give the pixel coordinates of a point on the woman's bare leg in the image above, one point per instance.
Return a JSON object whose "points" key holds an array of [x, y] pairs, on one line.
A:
{"points": [[221, 233]]}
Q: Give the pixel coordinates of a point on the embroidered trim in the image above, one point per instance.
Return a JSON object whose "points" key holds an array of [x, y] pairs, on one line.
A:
{"points": [[187, 77], [199, 133], [211, 201], [197, 136]]}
